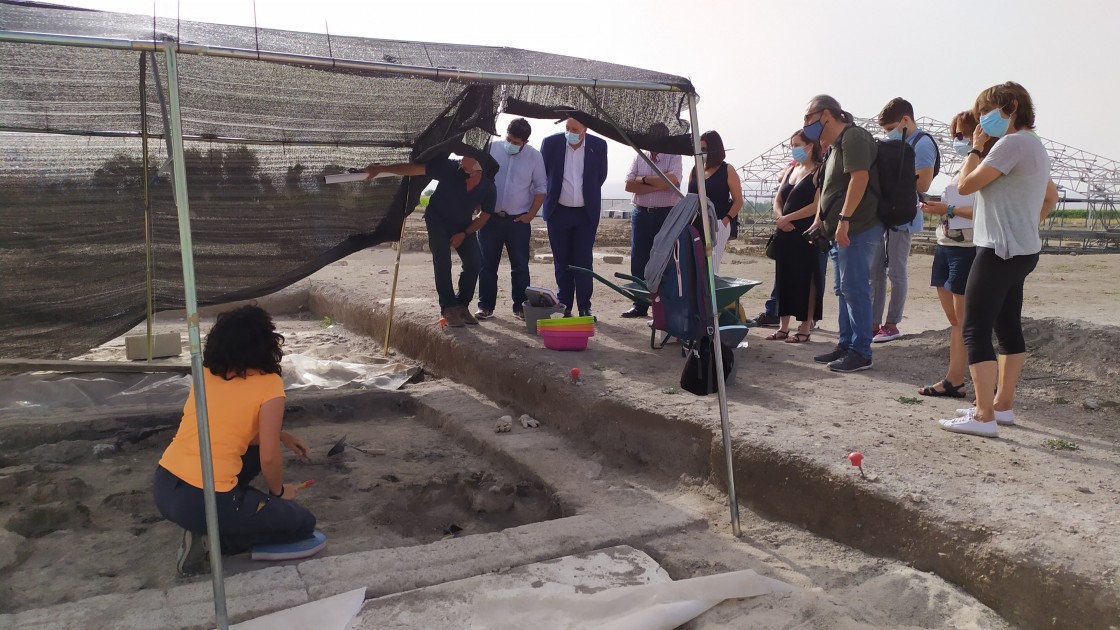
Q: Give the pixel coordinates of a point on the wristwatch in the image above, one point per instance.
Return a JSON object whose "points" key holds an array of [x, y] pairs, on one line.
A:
{"points": [[845, 218], [977, 152], [949, 212]]}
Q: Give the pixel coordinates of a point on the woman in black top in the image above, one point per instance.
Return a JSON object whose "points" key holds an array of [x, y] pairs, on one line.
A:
{"points": [[724, 191], [800, 287]]}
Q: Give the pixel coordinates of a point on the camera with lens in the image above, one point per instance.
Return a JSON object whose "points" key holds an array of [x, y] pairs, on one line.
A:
{"points": [[817, 238]]}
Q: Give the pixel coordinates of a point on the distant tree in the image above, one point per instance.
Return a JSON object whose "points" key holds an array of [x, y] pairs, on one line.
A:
{"points": [[120, 172]]}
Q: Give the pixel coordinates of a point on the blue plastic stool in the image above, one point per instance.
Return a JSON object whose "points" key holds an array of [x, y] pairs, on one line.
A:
{"points": [[292, 551]]}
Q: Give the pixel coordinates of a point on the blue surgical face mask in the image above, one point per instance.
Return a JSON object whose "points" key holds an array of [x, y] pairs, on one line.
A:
{"points": [[994, 124], [573, 138], [800, 154], [895, 134], [512, 148], [813, 131], [962, 147]]}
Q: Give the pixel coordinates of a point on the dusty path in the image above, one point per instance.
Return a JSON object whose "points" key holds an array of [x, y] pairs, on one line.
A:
{"points": [[996, 515]]}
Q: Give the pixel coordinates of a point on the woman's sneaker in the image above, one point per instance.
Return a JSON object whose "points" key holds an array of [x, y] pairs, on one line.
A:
{"points": [[1003, 418], [887, 332], [970, 426], [194, 556]]}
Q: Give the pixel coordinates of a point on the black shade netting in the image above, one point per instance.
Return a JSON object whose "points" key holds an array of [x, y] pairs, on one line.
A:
{"points": [[72, 243], [259, 136]]}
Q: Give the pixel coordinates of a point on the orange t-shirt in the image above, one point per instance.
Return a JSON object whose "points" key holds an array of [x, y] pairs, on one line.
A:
{"points": [[233, 408]]}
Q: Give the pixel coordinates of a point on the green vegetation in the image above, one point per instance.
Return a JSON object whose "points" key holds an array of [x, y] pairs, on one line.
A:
{"points": [[327, 322], [1060, 445], [1061, 400], [602, 367], [909, 400], [669, 390], [1069, 213]]}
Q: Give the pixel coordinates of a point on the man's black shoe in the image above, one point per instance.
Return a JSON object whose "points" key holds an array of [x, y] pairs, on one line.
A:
{"points": [[835, 355], [764, 319], [635, 313], [852, 362]]}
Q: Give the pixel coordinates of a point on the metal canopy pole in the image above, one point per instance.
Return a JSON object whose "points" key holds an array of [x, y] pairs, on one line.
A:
{"points": [[150, 312], [180, 177], [717, 348]]}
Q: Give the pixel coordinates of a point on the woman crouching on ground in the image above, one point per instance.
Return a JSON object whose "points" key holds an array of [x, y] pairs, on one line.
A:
{"points": [[1014, 194], [952, 260], [245, 405]]}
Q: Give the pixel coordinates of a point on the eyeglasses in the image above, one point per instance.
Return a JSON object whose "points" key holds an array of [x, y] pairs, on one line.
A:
{"points": [[811, 114], [958, 135]]}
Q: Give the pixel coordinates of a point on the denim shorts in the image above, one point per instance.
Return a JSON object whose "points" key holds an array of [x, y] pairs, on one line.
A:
{"points": [[951, 266]]}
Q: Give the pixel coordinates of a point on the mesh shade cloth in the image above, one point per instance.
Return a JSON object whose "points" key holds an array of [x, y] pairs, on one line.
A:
{"points": [[259, 134]]}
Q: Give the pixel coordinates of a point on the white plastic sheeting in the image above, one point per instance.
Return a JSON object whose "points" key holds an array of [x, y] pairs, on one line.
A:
{"points": [[43, 394], [654, 606], [331, 613]]}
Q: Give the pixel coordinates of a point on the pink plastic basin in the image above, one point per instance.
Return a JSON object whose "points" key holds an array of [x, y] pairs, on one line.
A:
{"points": [[563, 340]]}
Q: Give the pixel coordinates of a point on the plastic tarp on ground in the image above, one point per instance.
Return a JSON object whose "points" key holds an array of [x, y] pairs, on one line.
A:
{"points": [[259, 134], [39, 395]]}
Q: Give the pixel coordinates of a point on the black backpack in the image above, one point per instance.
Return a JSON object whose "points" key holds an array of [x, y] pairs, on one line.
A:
{"points": [[898, 194], [898, 184]]}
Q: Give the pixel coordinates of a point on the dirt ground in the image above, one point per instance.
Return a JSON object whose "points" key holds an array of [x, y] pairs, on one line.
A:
{"points": [[1045, 491], [1026, 491], [82, 515]]}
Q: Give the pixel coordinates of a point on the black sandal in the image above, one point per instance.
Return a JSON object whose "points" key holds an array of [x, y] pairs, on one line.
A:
{"points": [[950, 390]]}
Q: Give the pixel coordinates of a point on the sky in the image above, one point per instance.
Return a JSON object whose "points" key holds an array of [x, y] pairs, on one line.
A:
{"points": [[755, 64]]}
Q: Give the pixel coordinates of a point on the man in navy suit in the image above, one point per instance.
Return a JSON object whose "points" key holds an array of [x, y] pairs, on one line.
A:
{"points": [[576, 166]]}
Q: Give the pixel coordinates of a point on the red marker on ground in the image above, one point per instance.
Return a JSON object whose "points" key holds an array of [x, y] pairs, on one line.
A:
{"points": [[575, 375], [857, 460], [306, 484]]}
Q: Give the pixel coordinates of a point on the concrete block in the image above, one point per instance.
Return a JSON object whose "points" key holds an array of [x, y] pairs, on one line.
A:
{"points": [[163, 345], [613, 259], [543, 258]]}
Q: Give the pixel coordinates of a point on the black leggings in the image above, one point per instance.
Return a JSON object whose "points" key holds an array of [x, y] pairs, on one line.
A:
{"points": [[993, 299], [246, 516]]}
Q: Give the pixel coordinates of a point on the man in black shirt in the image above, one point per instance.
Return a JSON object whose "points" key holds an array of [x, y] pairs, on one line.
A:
{"points": [[450, 219]]}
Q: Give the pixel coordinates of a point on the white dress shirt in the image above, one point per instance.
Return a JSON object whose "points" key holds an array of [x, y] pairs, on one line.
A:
{"points": [[571, 192]]}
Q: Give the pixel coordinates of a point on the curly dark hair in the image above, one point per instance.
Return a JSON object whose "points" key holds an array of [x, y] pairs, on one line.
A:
{"points": [[243, 339]]}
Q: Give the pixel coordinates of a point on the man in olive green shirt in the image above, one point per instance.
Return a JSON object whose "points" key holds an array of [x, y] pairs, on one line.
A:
{"points": [[849, 199]]}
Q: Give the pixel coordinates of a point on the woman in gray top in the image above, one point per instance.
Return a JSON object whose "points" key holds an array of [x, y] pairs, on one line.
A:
{"points": [[1014, 193]]}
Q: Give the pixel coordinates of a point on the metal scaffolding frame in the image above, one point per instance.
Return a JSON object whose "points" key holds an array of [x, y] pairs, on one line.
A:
{"points": [[1087, 216]]}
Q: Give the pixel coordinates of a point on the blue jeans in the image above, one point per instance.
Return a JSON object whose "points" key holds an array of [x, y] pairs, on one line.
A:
{"points": [[771, 307], [274, 521], [439, 242], [853, 287], [645, 223], [513, 236]]}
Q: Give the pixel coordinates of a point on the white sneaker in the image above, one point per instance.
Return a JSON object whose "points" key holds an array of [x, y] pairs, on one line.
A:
{"points": [[1003, 418], [971, 426]]}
